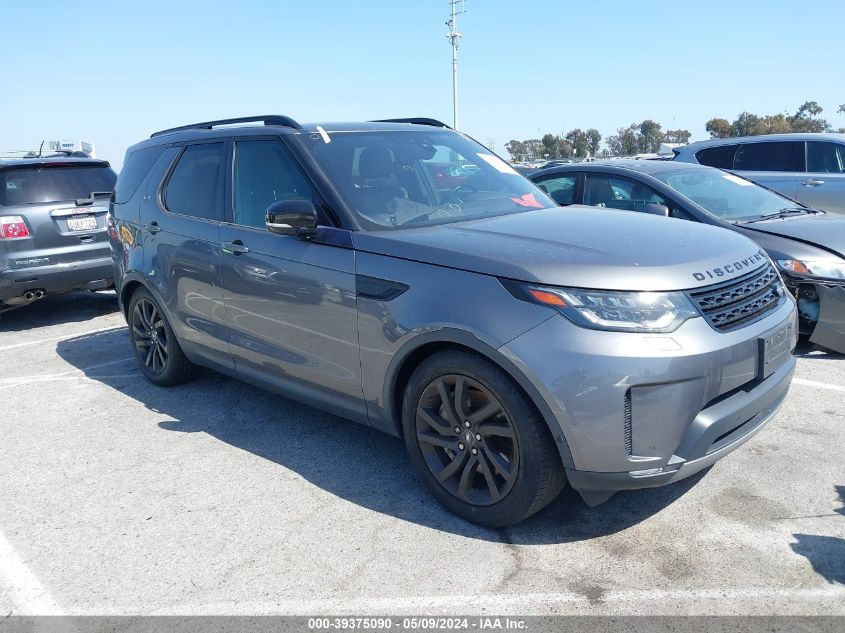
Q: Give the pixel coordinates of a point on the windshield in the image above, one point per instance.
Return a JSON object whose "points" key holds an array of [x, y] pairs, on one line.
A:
{"points": [[725, 195], [54, 183], [395, 179]]}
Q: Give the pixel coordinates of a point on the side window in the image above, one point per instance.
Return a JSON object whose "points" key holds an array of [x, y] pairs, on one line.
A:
{"points": [[619, 193], [134, 170], [265, 173], [825, 158], [561, 189], [196, 185], [721, 156], [779, 156]]}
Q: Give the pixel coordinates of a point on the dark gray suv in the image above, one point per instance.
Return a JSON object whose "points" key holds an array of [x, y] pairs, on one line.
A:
{"points": [[359, 268], [53, 227]]}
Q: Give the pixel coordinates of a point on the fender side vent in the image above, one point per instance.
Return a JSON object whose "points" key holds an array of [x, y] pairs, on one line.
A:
{"points": [[378, 289]]}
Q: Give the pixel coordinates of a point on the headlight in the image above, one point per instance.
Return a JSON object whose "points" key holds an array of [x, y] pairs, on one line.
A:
{"points": [[618, 311], [829, 268]]}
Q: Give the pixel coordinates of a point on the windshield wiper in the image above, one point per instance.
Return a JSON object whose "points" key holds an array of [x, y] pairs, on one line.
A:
{"points": [[90, 199], [782, 213]]}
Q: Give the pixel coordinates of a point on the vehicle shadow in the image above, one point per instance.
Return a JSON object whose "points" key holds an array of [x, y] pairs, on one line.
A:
{"points": [[68, 307], [825, 553], [806, 349], [352, 461]]}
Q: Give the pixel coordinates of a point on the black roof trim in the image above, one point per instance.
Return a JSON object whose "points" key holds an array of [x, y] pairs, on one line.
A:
{"points": [[415, 121], [267, 119]]}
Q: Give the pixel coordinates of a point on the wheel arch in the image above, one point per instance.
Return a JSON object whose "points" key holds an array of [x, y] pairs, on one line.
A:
{"points": [[410, 355]]}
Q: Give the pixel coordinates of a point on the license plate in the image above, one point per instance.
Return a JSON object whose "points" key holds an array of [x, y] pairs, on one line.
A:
{"points": [[82, 223], [776, 348]]}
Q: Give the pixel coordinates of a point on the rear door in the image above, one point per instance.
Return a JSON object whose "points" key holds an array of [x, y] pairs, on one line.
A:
{"points": [[290, 302], [180, 228], [774, 164], [44, 196], [823, 185]]}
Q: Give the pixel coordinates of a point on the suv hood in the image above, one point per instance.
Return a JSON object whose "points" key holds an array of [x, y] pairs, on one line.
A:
{"points": [[825, 231], [578, 246]]}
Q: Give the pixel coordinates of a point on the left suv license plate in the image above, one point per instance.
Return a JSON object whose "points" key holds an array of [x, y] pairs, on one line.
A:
{"points": [[775, 349], [82, 223]]}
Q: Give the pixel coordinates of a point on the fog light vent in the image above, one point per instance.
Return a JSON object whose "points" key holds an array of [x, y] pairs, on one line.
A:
{"points": [[629, 440]]}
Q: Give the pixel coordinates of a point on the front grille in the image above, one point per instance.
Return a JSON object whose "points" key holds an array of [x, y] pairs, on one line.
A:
{"points": [[730, 305]]}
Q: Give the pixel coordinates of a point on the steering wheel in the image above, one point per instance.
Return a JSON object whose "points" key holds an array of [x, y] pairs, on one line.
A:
{"points": [[447, 199]]}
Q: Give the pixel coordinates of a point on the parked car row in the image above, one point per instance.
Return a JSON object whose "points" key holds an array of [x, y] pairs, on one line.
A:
{"points": [[808, 245], [809, 168], [515, 346]]}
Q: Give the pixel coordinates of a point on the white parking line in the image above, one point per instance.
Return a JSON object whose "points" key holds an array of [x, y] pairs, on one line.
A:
{"points": [[818, 385], [697, 599], [26, 592], [71, 374], [64, 337]]}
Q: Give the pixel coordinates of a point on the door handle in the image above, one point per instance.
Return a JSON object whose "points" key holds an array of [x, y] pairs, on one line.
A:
{"points": [[234, 248], [812, 183], [153, 227]]}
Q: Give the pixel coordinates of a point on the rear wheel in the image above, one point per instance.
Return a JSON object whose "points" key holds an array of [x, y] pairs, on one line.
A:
{"points": [[478, 443], [157, 351]]}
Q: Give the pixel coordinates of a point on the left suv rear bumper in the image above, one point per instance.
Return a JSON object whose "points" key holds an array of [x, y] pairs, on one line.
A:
{"points": [[88, 274]]}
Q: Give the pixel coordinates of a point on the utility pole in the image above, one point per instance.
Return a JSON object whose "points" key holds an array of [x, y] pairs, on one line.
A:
{"points": [[453, 37]]}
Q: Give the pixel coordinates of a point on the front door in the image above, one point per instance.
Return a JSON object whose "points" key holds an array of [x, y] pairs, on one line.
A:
{"points": [[823, 186], [290, 302]]}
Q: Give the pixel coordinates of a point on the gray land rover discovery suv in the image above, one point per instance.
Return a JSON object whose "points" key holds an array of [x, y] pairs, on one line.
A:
{"points": [[359, 267]]}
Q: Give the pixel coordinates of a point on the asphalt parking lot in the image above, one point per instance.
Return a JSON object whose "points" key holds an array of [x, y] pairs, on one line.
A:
{"points": [[119, 497]]}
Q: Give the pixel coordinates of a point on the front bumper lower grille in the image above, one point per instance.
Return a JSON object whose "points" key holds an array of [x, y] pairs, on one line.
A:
{"points": [[735, 303]]}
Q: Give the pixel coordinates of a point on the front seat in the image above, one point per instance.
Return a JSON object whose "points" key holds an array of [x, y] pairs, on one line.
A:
{"points": [[379, 186], [599, 192]]}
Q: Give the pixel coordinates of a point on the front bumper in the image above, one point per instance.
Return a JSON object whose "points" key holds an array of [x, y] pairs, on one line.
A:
{"points": [[715, 432], [637, 411], [87, 274]]}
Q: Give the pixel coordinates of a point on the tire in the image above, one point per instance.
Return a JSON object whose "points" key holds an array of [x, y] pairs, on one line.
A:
{"points": [[499, 464], [157, 352]]}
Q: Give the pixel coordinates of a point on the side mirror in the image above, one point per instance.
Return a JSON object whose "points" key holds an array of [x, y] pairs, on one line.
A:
{"points": [[656, 209], [296, 217]]}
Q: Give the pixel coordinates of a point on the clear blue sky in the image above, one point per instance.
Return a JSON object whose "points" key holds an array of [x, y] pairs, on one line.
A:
{"points": [[113, 72]]}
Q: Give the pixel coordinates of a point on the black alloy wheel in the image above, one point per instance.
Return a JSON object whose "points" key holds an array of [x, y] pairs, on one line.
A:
{"points": [[150, 336], [467, 439], [477, 440]]}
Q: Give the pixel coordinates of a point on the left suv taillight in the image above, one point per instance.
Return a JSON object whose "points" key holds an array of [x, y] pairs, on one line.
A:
{"points": [[12, 227]]}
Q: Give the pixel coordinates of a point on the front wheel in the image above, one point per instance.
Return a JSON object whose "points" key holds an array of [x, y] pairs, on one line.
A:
{"points": [[478, 443], [157, 351]]}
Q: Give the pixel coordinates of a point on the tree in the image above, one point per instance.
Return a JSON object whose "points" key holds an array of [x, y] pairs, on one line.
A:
{"points": [[625, 142], [718, 128], [744, 124], [580, 142], [651, 136], [595, 140], [564, 148], [550, 145], [677, 136], [804, 120], [534, 148], [773, 124], [841, 109], [516, 149]]}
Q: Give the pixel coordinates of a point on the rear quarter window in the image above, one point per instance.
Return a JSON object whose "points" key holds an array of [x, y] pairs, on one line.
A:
{"points": [[135, 169], [721, 156]]}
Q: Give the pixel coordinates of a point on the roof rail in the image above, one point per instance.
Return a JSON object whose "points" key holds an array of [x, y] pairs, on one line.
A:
{"points": [[414, 120], [267, 119]]}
